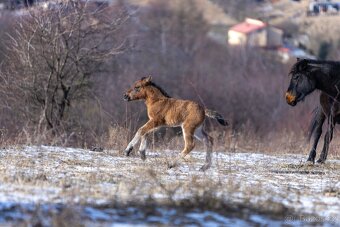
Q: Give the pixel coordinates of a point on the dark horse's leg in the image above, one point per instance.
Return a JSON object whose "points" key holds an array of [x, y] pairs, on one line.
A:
{"points": [[328, 138], [316, 131]]}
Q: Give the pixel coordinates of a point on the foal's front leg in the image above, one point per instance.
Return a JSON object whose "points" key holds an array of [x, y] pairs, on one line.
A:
{"points": [[132, 143], [142, 147], [149, 126]]}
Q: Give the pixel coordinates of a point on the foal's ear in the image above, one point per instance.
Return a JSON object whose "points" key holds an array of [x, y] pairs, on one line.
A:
{"points": [[148, 79]]}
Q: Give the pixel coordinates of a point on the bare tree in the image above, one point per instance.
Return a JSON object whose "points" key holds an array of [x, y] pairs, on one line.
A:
{"points": [[52, 56]]}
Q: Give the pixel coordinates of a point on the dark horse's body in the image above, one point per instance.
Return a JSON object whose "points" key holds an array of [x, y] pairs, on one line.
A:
{"points": [[307, 76]]}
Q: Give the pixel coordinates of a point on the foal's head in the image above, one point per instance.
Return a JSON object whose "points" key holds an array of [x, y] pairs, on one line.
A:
{"points": [[302, 82], [138, 89]]}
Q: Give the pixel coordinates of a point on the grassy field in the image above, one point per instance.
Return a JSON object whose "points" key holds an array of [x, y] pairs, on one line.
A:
{"points": [[56, 185]]}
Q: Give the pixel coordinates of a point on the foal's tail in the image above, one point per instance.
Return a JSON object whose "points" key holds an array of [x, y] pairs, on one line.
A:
{"points": [[215, 115]]}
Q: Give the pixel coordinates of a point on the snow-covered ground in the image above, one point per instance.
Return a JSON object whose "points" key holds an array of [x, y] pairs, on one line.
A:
{"points": [[270, 189]]}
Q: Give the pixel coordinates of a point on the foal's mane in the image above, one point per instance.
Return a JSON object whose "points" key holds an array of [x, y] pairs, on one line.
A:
{"points": [[159, 88]]}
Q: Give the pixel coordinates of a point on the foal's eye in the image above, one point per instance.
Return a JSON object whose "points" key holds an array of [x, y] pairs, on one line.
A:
{"points": [[137, 88]]}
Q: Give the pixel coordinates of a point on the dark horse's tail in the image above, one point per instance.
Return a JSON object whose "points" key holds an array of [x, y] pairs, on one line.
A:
{"points": [[316, 120], [215, 115]]}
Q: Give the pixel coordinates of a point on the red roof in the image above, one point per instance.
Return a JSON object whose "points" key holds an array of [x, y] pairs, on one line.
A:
{"points": [[283, 49], [248, 26]]}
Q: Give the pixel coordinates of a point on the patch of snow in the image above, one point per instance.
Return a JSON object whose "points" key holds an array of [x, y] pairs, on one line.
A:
{"points": [[69, 168]]}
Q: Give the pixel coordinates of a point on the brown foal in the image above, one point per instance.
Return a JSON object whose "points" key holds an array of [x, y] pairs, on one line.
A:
{"points": [[166, 111]]}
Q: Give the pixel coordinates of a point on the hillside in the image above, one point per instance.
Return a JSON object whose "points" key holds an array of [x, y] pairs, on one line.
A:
{"points": [[213, 13], [315, 30], [309, 32]]}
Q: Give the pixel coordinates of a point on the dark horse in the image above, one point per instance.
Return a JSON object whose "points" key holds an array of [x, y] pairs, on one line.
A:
{"points": [[309, 75]]}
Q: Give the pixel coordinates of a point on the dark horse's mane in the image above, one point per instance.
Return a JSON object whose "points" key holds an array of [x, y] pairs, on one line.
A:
{"points": [[160, 89], [314, 62]]}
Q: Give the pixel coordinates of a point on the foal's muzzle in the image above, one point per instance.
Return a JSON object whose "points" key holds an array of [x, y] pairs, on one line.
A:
{"points": [[127, 98]]}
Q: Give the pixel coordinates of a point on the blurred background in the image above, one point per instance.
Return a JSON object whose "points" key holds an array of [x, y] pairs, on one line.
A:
{"points": [[66, 64]]}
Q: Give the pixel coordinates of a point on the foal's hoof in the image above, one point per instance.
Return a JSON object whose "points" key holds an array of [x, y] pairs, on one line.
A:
{"points": [[321, 161], [128, 151], [97, 149], [205, 167], [172, 165], [142, 155]]}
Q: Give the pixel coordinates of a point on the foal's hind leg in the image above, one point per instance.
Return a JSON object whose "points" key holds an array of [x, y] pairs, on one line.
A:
{"points": [[188, 135], [201, 135]]}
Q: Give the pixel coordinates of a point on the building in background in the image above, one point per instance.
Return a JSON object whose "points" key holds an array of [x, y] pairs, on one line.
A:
{"points": [[318, 7], [254, 32]]}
